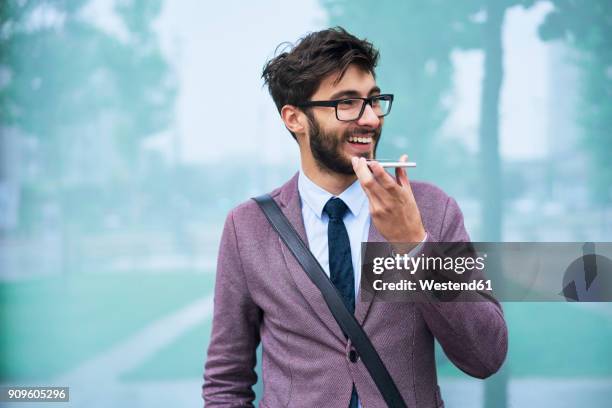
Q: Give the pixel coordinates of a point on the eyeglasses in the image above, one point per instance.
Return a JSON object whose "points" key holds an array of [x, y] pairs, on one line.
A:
{"points": [[350, 109]]}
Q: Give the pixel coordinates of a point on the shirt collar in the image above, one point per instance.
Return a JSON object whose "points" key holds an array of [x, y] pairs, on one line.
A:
{"points": [[315, 197]]}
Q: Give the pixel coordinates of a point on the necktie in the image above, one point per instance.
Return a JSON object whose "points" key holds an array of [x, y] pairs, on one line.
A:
{"points": [[340, 261]]}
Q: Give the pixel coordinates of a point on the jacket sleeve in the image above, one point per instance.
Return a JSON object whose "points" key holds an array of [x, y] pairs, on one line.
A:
{"points": [[229, 372], [473, 335]]}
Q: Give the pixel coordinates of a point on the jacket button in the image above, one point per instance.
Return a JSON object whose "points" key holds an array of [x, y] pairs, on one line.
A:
{"points": [[353, 356]]}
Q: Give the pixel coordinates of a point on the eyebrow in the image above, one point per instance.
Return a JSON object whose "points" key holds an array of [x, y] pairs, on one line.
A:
{"points": [[351, 93]]}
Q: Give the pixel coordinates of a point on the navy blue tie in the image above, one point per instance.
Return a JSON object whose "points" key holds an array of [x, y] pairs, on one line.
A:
{"points": [[340, 261]]}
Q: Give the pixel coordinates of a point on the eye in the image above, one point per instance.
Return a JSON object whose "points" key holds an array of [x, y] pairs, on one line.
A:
{"points": [[349, 103]]}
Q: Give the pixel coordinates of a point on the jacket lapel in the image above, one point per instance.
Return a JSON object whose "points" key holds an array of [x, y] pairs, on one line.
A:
{"points": [[364, 299], [290, 203]]}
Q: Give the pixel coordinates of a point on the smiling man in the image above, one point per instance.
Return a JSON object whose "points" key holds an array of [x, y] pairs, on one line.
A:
{"points": [[326, 92]]}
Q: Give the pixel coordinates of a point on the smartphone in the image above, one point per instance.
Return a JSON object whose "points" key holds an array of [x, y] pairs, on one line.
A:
{"points": [[385, 163]]}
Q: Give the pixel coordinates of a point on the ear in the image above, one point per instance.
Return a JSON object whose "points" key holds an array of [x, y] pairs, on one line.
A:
{"points": [[295, 120]]}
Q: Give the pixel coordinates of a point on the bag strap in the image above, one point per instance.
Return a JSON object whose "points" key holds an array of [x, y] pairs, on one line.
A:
{"points": [[346, 320]]}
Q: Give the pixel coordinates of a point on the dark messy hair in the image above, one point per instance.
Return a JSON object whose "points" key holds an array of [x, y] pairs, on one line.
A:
{"points": [[293, 77]]}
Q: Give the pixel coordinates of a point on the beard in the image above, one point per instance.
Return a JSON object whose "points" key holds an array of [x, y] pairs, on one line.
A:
{"points": [[326, 147]]}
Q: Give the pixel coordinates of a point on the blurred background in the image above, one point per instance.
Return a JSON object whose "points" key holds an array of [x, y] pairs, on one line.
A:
{"points": [[129, 129]]}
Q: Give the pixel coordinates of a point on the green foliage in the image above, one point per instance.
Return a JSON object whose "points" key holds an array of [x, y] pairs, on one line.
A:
{"points": [[69, 80]]}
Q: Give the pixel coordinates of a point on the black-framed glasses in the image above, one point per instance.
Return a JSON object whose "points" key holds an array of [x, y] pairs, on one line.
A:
{"points": [[350, 109]]}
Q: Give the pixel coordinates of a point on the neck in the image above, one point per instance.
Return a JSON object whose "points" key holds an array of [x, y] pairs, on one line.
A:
{"points": [[334, 183]]}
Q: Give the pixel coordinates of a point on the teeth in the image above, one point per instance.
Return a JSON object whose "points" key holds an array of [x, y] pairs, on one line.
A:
{"points": [[355, 139]]}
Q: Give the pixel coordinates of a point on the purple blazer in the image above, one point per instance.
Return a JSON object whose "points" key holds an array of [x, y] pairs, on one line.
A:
{"points": [[262, 294]]}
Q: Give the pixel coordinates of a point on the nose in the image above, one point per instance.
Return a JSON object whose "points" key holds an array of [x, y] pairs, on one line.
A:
{"points": [[369, 118]]}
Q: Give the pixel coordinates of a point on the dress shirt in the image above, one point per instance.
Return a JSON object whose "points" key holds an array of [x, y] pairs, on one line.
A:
{"points": [[356, 221]]}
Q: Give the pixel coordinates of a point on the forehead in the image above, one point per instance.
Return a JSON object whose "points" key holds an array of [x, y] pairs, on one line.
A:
{"points": [[355, 80]]}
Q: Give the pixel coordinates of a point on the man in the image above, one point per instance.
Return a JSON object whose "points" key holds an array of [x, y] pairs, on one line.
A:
{"points": [[326, 93]]}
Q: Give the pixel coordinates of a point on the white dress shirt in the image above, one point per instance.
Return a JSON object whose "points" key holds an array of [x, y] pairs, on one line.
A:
{"points": [[356, 221]]}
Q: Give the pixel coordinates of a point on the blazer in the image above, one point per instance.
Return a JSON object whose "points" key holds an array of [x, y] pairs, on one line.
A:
{"points": [[262, 294]]}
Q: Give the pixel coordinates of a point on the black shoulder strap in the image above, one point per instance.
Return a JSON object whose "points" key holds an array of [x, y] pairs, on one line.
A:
{"points": [[345, 319]]}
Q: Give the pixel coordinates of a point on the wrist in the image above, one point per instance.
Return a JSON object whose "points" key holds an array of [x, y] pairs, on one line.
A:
{"points": [[417, 235], [414, 236]]}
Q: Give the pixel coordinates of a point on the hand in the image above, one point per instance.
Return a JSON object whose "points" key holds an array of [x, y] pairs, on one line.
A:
{"points": [[392, 205]]}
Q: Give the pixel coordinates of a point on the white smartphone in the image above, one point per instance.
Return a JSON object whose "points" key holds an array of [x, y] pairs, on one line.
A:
{"points": [[385, 163]]}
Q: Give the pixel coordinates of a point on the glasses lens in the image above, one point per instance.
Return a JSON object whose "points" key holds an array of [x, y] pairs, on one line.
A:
{"points": [[348, 109], [381, 105]]}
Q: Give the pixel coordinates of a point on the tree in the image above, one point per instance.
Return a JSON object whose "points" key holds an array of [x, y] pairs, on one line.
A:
{"points": [[587, 27], [68, 80], [88, 98]]}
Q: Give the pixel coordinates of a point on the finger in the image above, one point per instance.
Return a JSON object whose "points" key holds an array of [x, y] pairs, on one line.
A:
{"points": [[361, 169], [384, 178], [365, 176], [400, 173]]}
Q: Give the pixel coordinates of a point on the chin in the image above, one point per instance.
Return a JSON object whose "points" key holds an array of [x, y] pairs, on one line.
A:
{"points": [[365, 155]]}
